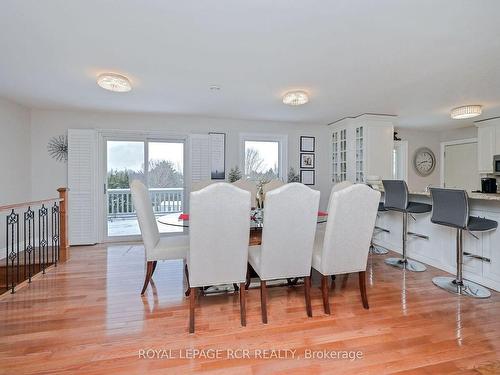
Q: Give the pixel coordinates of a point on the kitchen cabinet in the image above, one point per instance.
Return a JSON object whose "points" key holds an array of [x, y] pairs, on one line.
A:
{"points": [[361, 147], [488, 143], [486, 147]]}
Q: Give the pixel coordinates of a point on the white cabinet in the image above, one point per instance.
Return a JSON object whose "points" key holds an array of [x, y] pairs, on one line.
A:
{"points": [[362, 146], [486, 147]]}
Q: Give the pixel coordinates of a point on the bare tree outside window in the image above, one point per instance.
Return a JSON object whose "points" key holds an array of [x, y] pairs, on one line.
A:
{"points": [[261, 160]]}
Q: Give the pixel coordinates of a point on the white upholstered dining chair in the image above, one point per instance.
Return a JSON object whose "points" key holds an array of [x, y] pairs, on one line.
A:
{"points": [[287, 239], [219, 220], [344, 244], [156, 247], [249, 186]]}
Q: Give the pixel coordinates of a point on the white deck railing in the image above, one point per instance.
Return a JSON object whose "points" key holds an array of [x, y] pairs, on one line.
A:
{"points": [[165, 200]]}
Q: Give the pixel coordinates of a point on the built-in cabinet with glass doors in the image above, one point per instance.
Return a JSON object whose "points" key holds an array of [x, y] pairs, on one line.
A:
{"points": [[362, 147]]}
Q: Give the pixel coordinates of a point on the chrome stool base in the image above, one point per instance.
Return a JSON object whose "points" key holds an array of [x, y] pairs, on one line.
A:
{"points": [[378, 250], [410, 265], [468, 288]]}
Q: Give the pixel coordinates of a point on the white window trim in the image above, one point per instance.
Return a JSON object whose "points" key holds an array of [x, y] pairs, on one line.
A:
{"points": [[282, 140], [133, 135], [404, 157]]}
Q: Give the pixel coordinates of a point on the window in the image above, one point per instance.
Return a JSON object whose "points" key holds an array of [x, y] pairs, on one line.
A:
{"points": [[263, 157]]}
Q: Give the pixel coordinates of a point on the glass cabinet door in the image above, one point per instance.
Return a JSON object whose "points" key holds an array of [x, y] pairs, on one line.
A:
{"points": [[359, 155]]}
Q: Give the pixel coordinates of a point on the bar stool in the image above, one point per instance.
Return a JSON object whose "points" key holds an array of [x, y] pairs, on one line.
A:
{"points": [[379, 250], [451, 209], [397, 199]]}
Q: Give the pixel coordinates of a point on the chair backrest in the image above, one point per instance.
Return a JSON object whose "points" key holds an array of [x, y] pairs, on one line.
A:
{"points": [[271, 185], [290, 218], [198, 185], [219, 229], [395, 195], [450, 207], [337, 187], [250, 186], [145, 215], [349, 229]]}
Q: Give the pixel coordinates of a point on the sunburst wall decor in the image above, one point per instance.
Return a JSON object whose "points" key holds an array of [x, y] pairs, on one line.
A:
{"points": [[58, 148]]}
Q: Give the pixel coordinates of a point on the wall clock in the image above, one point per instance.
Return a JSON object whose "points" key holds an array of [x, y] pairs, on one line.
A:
{"points": [[424, 161]]}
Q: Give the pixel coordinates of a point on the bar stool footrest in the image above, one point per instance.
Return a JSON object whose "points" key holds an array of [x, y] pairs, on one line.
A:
{"points": [[409, 264], [468, 288], [378, 250]]}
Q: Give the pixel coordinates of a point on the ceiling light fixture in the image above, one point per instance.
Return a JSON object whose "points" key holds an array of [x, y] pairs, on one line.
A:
{"points": [[295, 98], [114, 82], [466, 111], [214, 88]]}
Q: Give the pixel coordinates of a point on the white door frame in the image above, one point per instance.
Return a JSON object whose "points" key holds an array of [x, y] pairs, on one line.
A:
{"points": [[141, 136], [442, 149], [404, 162]]}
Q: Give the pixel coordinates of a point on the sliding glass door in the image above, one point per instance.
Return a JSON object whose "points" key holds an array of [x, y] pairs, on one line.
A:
{"points": [[158, 163]]}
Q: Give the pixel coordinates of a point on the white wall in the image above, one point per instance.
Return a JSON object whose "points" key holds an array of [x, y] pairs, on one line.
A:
{"points": [[457, 134], [15, 159], [48, 174], [417, 139], [431, 139], [15, 153]]}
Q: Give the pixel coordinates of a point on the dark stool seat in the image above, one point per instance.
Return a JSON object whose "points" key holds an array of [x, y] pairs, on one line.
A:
{"points": [[451, 209], [480, 224], [418, 208], [397, 199]]}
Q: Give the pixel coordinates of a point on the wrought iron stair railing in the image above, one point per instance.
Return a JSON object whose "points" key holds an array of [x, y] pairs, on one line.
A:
{"points": [[35, 239]]}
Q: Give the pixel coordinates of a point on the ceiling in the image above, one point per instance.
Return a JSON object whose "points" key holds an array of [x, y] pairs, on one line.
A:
{"points": [[416, 58]]}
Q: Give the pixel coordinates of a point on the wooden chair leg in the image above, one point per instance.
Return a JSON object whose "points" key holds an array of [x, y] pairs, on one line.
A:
{"points": [[149, 273], [154, 268], [263, 301], [362, 289], [243, 305], [248, 280], [324, 292], [307, 292], [192, 301], [188, 290]]}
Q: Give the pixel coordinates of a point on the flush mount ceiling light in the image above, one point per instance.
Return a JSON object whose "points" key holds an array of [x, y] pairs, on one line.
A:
{"points": [[466, 111], [114, 82], [214, 88], [295, 98]]}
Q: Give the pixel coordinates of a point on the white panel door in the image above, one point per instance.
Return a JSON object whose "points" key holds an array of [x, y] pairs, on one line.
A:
{"points": [[82, 177]]}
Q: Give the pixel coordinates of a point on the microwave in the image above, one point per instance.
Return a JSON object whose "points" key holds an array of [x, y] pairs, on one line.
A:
{"points": [[496, 164]]}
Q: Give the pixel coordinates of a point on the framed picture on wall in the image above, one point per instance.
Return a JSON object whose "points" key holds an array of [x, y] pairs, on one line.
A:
{"points": [[307, 176], [307, 144], [307, 160], [217, 156]]}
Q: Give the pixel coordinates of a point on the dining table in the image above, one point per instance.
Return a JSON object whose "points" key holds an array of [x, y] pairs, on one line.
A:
{"points": [[256, 222]]}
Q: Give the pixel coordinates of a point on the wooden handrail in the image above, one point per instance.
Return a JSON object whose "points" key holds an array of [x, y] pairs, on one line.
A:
{"points": [[27, 204], [63, 220]]}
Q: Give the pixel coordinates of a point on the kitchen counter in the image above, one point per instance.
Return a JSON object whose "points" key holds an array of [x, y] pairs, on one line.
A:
{"points": [[481, 196], [439, 250]]}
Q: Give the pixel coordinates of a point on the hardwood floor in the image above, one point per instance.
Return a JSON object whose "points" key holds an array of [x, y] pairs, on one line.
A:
{"points": [[87, 316]]}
